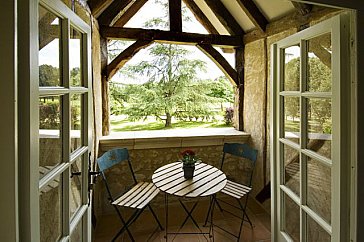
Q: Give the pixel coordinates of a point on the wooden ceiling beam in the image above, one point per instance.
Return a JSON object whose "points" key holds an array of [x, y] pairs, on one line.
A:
{"points": [[175, 15], [220, 61], [225, 17], [125, 56], [254, 14], [98, 6], [109, 14], [129, 13], [170, 36], [303, 8]]}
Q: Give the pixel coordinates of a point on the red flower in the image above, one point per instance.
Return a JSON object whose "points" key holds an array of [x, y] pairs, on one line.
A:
{"points": [[188, 153]]}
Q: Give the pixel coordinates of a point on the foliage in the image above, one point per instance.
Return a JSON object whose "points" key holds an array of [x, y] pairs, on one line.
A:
{"points": [[48, 75], [49, 114], [188, 157]]}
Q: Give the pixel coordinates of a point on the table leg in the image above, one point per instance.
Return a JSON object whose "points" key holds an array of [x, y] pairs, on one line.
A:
{"points": [[211, 229], [166, 213]]}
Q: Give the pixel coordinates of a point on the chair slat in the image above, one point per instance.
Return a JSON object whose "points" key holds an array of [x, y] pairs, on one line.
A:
{"points": [[145, 203], [138, 196], [146, 197], [130, 194]]}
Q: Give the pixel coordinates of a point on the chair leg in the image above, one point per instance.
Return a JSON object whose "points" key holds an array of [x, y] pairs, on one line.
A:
{"points": [[244, 214], [129, 222], [123, 222], [155, 217]]}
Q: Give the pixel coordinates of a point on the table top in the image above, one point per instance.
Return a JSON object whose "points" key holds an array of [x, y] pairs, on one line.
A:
{"points": [[207, 180]]}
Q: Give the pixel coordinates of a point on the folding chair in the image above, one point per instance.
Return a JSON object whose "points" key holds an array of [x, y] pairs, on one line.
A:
{"points": [[138, 197], [234, 189]]}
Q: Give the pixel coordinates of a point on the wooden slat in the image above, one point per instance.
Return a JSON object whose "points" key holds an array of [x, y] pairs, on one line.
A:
{"points": [[132, 191], [112, 11], [134, 200], [254, 14], [172, 166], [170, 37], [212, 187], [146, 196], [129, 13], [98, 6], [238, 185], [236, 190], [220, 61], [175, 15], [145, 203], [230, 194]]}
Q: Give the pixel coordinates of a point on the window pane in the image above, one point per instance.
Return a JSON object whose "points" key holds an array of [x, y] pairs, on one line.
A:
{"points": [[291, 220], [319, 64], [76, 235], [315, 232], [291, 118], [76, 121], [50, 138], [76, 186], [75, 58], [292, 68], [50, 211], [292, 169], [319, 126], [319, 188], [49, 48]]}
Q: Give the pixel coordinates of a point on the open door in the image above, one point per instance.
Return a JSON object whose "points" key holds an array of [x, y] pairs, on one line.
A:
{"points": [[311, 134]]}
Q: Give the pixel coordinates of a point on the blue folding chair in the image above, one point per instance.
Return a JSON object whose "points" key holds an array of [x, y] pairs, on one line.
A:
{"points": [[138, 197], [235, 189]]}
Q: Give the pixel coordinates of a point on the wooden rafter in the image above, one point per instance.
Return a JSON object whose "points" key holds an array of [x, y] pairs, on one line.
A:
{"points": [[175, 15], [254, 14], [225, 17], [111, 12], [201, 17], [125, 56], [129, 13], [303, 8], [220, 61], [170, 37], [98, 6], [47, 31]]}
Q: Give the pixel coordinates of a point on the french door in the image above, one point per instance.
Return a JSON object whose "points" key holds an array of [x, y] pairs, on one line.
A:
{"points": [[64, 105], [311, 134]]}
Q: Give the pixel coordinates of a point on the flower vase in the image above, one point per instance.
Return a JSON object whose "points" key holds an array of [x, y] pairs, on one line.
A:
{"points": [[188, 170]]}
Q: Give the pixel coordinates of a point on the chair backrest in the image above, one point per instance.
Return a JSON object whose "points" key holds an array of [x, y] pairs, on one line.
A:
{"points": [[243, 151]]}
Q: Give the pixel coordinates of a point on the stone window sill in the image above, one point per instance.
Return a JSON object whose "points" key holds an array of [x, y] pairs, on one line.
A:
{"points": [[178, 138]]}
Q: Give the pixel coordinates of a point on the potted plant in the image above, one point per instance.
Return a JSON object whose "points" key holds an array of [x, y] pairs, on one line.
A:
{"points": [[188, 158]]}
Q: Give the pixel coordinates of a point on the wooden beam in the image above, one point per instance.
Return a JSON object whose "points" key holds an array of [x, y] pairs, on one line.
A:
{"points": [[47, 31], [254, 14], [170, 37], [125, 56], [225, 17], [201, 17], [239, 65], [109, 14], [220, 61], [129, 13], [175, 15], [303, 8], [98, 6], [104, 88]]}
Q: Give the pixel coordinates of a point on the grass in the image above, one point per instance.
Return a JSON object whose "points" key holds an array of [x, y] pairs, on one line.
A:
{"points": [[120, 123]]}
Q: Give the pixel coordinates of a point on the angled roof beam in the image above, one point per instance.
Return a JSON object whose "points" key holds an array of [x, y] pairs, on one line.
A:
{"points": [[254, 14], [129, 13], [109, 14], [225, 17], [220, 61], [170, 36], [98, 6], [200, 16], [303, 8], [125, 56], [175, 15]]}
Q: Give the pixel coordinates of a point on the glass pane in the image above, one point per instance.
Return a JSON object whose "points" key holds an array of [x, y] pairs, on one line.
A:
{"points": [[291, 118], [49, 48], [291, 169], [76, 121], [50, 211], [50, 138], [319, 64], [315, 232], [76, 235], [292, 68], [76, 186], [319, 126], [319, 188], [75, 57], [291, 220]]}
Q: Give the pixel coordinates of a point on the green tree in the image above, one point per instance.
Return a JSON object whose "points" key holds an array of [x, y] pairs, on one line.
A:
{"points": [[48, 75]]}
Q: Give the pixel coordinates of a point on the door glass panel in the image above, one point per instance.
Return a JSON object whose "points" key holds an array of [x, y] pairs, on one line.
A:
{"points": [[319, 188], [75, 57], [319, 126], [291, 219], [292, 68], [76, 186], [315, 232], [50, 138], [50, 211], [319, 64], [291, 117], [76, 235], [49, 48], [292, 169], [76, 121]]}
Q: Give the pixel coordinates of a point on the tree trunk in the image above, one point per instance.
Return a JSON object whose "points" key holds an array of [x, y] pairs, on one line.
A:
{"points": [[168, 120]]}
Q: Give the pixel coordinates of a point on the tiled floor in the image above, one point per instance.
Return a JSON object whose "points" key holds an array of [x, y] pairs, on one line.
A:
{"points": [[145, 228]]}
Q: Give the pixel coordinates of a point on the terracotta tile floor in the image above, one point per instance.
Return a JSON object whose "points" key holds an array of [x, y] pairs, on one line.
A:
{"points": [[145, 228]]}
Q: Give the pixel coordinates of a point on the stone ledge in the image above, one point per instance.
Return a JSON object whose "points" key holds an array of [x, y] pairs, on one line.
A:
{"points": [[179, 138]]}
